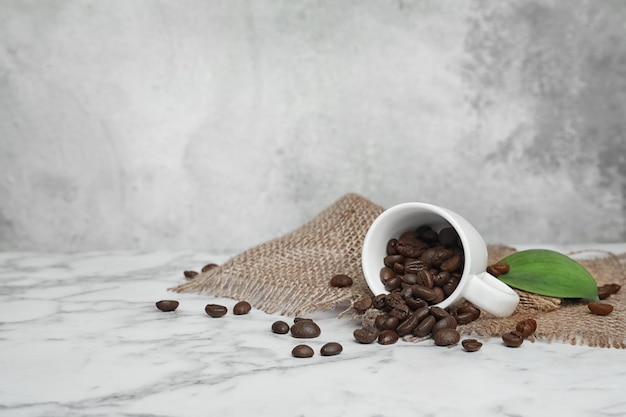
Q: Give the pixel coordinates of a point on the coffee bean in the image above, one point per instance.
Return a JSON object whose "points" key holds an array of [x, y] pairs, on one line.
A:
{"points": [[341, 281], [414, 266], [208, 267], [215, 310], [379, 320], [386, 273], [448, 236], [190, 274], [387, 337], [471, 345], [605, 291], [447, 337], [463, 318], [498, 269], [513, 339], [469, 308], [167, 305], [362, 305], [600, 309], [393, 283], [451, 285], [454, 262], [439, 295], [391, 247], [447, 322], [424, 293], [391, 260], [438, 312], [526, 327], [305, 329], [365, 336], [401, 312], [408, 325], [280, 327], [390, 323], [425, 278], [425, 326], [241, 308], [302, 351], [379, 301], [331, 349], [433, 257], [410, 279], [441, 278]]}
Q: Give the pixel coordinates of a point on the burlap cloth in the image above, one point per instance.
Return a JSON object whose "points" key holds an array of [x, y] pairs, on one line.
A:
{"points": [[291, 274]]}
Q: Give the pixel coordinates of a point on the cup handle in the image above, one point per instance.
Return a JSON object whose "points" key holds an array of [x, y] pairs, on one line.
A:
{"points": [[491, 295]]}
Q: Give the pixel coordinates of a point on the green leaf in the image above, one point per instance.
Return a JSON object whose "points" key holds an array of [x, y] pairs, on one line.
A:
{"points": [[550, 273]]}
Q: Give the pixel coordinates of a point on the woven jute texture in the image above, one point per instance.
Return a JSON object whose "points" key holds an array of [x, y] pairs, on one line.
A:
{"points": [[291, 274]]}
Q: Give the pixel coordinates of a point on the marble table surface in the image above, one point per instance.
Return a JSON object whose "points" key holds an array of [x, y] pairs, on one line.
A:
{"points": [[80, 336]]}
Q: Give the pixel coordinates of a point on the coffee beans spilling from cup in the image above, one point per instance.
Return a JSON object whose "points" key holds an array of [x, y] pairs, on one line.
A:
{"points": [[423, 265]]}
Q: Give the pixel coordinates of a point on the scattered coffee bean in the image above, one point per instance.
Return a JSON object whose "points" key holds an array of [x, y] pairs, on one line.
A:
{"points": [[365, 336], [190, 274], [305, 329], [600, 309], [471, 345], [387, 337], [302, 351], [341, 281], [498, 269], [208, 267], [605, 291], [362, 305], [526, 327], [447, 337], [215, 310], [513, 339], [280, 327], [167, 305], [241, 308], [331, 349]]}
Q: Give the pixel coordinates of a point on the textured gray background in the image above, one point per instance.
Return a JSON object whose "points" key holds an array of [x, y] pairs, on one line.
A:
{"points": [[220, 124]]}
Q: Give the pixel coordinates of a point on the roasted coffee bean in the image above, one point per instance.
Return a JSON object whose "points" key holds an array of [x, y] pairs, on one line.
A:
{"points": [[305, 329], [411, 249], [379, 301], [433, 257], [526, 327], [215, 310], [415, 303], [513, 339], [394, 300], [471, 345], [365, 336], [454, 262], [331, 349], [605, 291], [190, 274], [379, 320], [390, 323], [448, 236], [241, 308], [421, 313], [469, 308], [463, 318], [387, 337], [209, 266], [409, 236], [302, 351], [425, 278], [451, 285], [498, 269], [424, 293], [447, 337], [430, 236], [391, 247], [447, 322], [439, 295], [441, 278], [280, 327], [425, 326], [341, 281], [398, 268], [393, 283], [386, 274], [362, 305], [438, 312], [391, 260], [600, 309], [408, 325], [409, 278], [414, 266], [401, 312], [167, 305]]}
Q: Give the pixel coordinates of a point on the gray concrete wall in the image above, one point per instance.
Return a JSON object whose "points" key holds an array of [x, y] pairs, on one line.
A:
{"points": [[217, 125]]}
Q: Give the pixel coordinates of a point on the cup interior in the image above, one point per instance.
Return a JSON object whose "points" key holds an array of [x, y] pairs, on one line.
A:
{"points": [[391, 224]]}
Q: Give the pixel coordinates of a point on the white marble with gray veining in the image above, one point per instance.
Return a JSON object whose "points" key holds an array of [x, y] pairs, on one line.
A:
{"points": [[80, 336]]}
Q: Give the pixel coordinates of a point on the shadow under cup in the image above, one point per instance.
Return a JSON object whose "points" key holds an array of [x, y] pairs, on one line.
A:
{"points": [[477, 286]]}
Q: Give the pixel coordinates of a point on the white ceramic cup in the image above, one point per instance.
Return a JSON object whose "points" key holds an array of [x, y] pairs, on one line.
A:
{"points": [[476, 285]]}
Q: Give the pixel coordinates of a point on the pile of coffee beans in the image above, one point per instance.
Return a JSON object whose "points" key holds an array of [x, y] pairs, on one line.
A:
{"points": [[523, 329], [423, 265]]}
